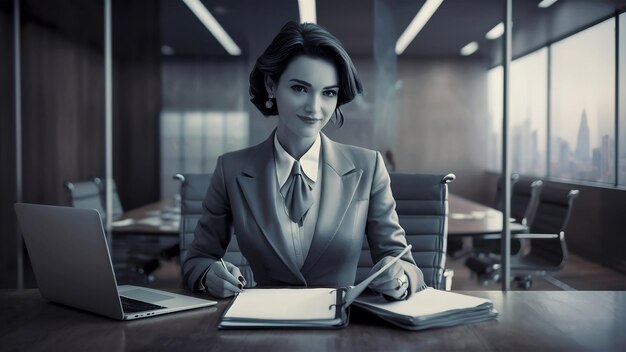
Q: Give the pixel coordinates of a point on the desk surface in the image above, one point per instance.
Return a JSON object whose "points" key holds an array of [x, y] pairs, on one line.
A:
{"points": [[529, 321], [468, 218]]}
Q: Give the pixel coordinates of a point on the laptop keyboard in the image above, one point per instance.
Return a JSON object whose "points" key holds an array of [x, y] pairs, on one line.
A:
{"points": [[130, 305]]}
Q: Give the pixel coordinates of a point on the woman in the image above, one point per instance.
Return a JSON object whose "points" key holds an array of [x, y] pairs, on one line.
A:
{"points": [[298, 202]]}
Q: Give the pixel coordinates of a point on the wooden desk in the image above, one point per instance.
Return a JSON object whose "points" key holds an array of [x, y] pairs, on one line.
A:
{"points": [[468, 218], [529, 321], [161, 217]]}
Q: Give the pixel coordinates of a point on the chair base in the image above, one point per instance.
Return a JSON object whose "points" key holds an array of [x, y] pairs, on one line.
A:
{"points": [[524, 281], [486, 268]]}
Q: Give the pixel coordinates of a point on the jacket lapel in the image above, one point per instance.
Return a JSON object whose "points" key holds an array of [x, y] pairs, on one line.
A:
{"points": [[339, 182], [258, 186]]}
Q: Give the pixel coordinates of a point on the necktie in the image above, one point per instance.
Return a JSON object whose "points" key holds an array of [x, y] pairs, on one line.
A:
{"points": [[298, 195]]}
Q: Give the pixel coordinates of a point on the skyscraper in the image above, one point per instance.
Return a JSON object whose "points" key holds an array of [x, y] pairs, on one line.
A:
{"points": [[582, 145]]}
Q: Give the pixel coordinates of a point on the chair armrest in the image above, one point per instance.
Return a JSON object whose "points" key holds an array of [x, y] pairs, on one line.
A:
{"points": [[448, 274], [535, 236], [521, 236]]}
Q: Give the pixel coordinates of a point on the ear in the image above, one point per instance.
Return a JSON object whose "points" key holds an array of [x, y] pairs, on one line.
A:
{"points": [[269, 85]]}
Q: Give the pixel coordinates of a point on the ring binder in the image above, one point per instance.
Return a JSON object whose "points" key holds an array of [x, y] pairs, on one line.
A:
{"points": [[340, 291], [295, 307]]}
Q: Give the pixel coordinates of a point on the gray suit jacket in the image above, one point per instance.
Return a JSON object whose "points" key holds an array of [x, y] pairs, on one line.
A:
{"points": [[356, 200]]}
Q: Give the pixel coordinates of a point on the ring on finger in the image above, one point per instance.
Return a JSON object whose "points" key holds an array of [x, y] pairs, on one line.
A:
{"points": [[401, 282]]}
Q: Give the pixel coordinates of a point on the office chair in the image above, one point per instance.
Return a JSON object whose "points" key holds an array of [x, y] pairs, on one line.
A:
{"points": [[193, 188], [85, 194], [525, 197], [118, 210], [497, 201], [89, 195], [545, 250], [422, 207]]}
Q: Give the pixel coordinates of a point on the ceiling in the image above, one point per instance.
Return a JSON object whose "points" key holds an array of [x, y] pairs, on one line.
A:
{"points": [[253, 23]]}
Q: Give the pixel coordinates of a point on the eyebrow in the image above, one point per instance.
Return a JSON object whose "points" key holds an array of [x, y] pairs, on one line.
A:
{"points": [[305, 83]]}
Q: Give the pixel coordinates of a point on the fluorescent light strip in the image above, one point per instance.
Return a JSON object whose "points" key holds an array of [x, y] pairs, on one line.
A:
{"points": [[495, 32], [416, 25], [469, 49], [546, 3], [307, 11], [213, 26]]}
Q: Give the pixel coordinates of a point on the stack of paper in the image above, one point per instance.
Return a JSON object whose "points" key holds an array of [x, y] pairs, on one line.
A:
{"points": [[430, 308]]}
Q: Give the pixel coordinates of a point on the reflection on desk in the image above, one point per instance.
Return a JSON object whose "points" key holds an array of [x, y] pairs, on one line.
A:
{"points": [[468, 218], [536, 320], [162, 217]]}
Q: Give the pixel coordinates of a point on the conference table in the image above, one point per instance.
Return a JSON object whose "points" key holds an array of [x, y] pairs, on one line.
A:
{"points": [[467, 219], [158, 218], [528, 321]]}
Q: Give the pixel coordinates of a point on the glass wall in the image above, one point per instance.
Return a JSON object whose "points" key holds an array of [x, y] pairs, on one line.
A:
{"points": [[494, 108], [622, 101], [192, 141], [582, 108], [582, 112], [529, 109]]}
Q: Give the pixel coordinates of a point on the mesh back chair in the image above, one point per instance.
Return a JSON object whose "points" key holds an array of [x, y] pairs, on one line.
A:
{"points": [[422, 207], [193, 189]]}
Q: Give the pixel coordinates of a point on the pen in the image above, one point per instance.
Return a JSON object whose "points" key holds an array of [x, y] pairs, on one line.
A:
{"points": [[242, 280]]}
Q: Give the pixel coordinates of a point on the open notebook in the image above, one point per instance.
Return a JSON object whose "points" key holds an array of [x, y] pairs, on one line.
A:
{"points": [[295, 307]]}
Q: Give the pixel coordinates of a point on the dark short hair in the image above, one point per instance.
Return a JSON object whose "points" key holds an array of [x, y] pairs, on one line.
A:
{"points": [[294, 40]]}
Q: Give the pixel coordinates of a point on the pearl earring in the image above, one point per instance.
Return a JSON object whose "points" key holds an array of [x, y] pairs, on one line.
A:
{"points": [[269, 103]]}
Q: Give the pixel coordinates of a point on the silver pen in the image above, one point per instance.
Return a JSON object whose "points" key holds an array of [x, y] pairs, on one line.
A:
{"points": [[242, 280]]}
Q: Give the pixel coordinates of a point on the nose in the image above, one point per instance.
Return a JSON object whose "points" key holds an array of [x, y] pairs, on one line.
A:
{"points": [[313, 104]]}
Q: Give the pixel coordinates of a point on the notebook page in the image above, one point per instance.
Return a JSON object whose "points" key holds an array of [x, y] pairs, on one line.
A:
{"points": [[426, 302], [284, 304]]}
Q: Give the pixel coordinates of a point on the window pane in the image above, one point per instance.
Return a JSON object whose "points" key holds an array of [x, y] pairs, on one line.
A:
{"points": [[622, 99], [494, 106], [529, 104], [582, 110]]}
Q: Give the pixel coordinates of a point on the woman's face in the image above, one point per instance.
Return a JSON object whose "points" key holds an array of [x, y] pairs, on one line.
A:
{"points": [[306, 96]]}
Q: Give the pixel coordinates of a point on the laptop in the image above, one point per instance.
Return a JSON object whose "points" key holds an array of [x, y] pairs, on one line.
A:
{"points": [[72, 265]]}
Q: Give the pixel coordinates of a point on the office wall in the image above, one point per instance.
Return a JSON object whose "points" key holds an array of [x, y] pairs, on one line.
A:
{"points": [[136, 101], [8, 264], [442, 120], [62, 69], [62, 102]]}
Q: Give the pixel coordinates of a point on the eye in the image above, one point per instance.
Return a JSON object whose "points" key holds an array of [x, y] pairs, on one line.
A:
{"points": [[330, 93], [298, 88]]}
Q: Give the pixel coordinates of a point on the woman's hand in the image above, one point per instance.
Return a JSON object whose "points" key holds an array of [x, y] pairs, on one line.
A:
{"points": [[393, 283], [224, 282]]}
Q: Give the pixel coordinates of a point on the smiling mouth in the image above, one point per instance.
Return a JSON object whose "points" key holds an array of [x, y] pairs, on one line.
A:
{"points": [[309, 120]]}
